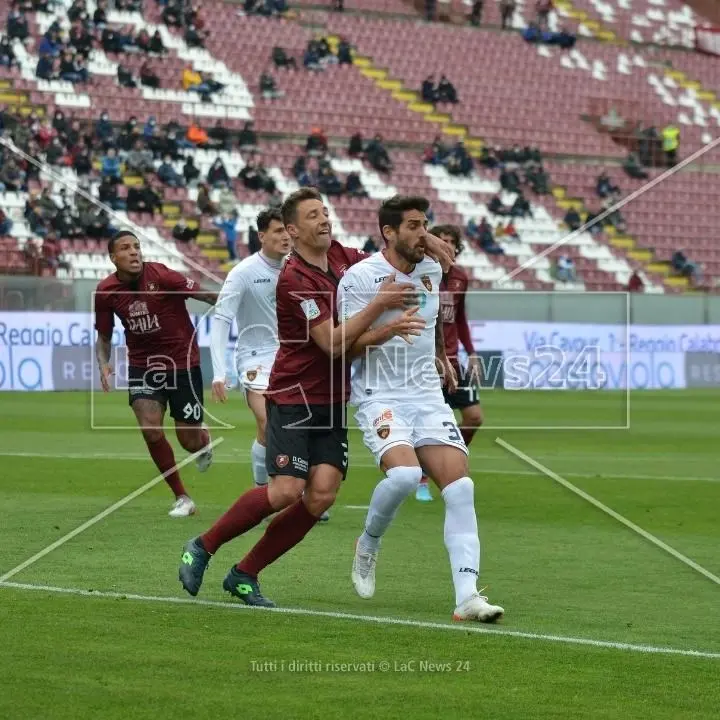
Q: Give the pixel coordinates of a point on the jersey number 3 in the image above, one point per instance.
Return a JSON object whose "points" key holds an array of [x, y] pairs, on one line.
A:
{"points": [[453, 433]]}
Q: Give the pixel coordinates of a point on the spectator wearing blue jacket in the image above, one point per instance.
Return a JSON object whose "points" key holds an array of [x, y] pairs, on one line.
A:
{"points": [[226, 223], [111, 165]]}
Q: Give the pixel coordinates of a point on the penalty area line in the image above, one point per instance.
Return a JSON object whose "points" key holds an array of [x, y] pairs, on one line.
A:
{"points": [[102, 515], [371, 619]]}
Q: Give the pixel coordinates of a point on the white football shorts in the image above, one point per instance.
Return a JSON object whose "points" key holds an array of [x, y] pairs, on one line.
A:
{"points": [[254, 371], [387, 423]]}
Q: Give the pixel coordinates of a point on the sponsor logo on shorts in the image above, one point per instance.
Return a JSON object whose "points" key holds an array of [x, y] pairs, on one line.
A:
{"points": [[386, 416], [300, 464], [251, 375], [282, 460], [383, 431], [425, 279]]}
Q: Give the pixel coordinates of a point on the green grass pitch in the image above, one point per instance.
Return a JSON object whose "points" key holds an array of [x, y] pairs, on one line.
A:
{"points": [[561, 568]]}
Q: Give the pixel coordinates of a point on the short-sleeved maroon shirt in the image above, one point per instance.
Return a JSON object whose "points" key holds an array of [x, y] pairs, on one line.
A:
{"points": [[158, 328], [303, 372]]}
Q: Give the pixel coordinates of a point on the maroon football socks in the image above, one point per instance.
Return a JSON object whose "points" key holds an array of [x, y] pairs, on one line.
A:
{"points": [[282, 534], [164, 458], [249, 509]]}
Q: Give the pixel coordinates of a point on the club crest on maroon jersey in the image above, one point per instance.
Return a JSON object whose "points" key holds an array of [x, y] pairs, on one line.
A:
{"points": [[152, 287], [282, 460]]}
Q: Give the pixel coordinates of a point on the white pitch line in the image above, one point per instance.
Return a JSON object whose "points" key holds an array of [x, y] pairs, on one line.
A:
{"points": [[100, 516], [609, 511], [245, 456], [374, 619]]}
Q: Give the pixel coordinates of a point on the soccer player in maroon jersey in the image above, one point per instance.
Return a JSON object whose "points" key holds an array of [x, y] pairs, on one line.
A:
{"points": [[453, 289], [307, 451], [163, 355]]}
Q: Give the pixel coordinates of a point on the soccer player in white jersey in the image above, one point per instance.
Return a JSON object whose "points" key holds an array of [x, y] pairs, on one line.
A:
{"points": [[248, 295], [400, 407]]}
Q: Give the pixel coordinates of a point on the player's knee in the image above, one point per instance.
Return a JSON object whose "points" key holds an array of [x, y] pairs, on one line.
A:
{"points": [[318, 500], [285, 491], [405, 478], [152, 435], [192, 439]]}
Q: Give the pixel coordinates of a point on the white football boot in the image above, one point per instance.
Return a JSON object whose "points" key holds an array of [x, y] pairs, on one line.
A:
{"points": [[363, 572], [477, 608], [182, 507], [204, 459]]}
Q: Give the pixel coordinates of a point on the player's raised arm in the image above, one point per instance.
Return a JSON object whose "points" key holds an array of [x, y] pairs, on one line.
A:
{"points": [[439, 251], [445, 368], [336, 340], [226, 309]]}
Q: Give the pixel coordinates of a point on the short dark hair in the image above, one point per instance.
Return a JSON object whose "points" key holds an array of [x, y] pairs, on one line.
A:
{"points": [[453, 231], [391, 211], [116, 236], [265, 217], [289, 207]]}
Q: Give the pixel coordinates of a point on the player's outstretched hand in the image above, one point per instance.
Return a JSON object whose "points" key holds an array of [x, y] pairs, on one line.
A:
{"points": [[396, 295], [219, 391], [447, 373], [105, 372], [440, 252], [408, 325]]}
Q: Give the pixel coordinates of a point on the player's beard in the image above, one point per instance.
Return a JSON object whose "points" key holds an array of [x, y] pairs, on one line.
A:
{"points": [[412, 255]]}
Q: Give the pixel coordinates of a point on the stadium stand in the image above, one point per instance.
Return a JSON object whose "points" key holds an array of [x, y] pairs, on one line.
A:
{"points": [[583, 108]]}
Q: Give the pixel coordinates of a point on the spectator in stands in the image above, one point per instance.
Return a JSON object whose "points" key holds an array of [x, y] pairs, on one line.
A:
{"points": [[268, 87], [100, 14], [635, 283], [507, 10], [45, 69], [634, 168], [143, 199], [521, 207], [496, 207], [31, 253], [217, 174], [148, 76], [615, 217], [475, 232], [157, 46], [685, 267], [104, 130], [218, 137], [371, 245], [275, 200], [190, 172], [437, 153], [124, 77], [17, 26], [50, 44], [538, 179], [228, 225], [301, 172], [486, 239], [183, 233], [543, 8], [172, 14], [446, 92], [344, 52], [565, 269], [311, 59], [378, 156], [329, 183], [7, 54], [459, 161], [205, 205], [476, 13], [316, 143], [197, 136], [255, 177], [281, 59], [572, 219], [55, 153], [195, 38], [489, 157], [604, 186], [670, 143], [354, 186], [509, 180], [247, 139], [355, 148], [82, 162], [508, 232], [110, 165], [428, 91], [430, 10], [108, 194], [167, 174]]}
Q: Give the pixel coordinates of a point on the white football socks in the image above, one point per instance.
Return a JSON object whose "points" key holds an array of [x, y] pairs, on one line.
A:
{"points": [[387, 497], [257, 453], [461, 537]]}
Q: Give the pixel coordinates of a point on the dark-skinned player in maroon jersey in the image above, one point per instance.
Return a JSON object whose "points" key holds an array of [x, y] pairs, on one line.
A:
{"points": [[453, 289], [163, 355], [307, 449]]}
